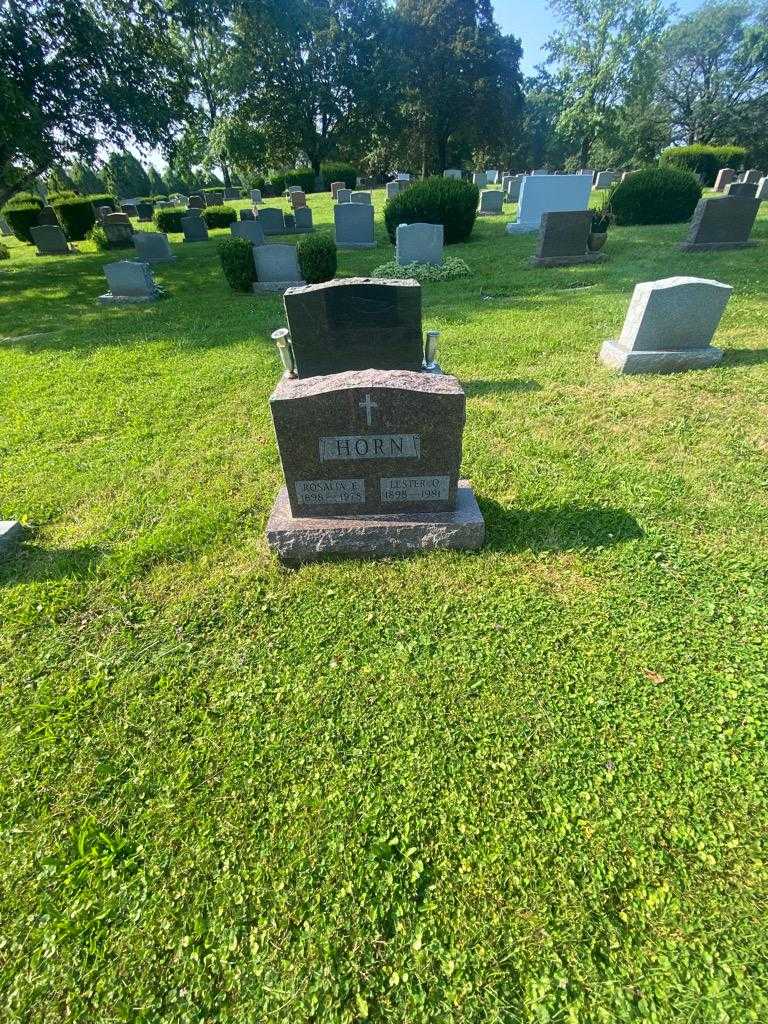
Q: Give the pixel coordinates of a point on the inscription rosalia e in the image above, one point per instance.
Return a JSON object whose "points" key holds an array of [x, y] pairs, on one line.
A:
{"points": [[414, 488], [330, 492], [370, 446]]}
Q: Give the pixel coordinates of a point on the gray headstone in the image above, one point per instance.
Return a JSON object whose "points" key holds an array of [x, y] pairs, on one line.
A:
{"points": [[247, 214], [271, 220], [195, 202], [365, 183], [5, 227], [762, 190], [669, 326], [11, 532], [335, 186], [214, 198], [355, 323], [479, 179], [512, 188], [232, 193], [129, 209], [277, 267], [452, 172], [605, 179], [194, 228], [343, 195], [724, 178], [104, 211], [492, 176], [144, 211], [353, 225], [491, 203], [48, 216], [742, 188], [393, 189], [303, 219], [251, 230], [292, 188], [255, 196], [751, 176], [588, 170], [289, 223], [50, 240], [419, 243], [129, 282], [298, 199], [361, 197], [563, 239], [152, 247], [119, 230], [401, 176], [722, 223], [368, 441]]}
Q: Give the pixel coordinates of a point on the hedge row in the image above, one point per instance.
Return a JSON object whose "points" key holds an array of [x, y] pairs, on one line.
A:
{"points": [[704, 160]]}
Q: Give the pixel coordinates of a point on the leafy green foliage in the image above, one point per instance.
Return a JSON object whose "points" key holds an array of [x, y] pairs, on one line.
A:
{"points": [[705, 160], [317, 258], [5, 252], [21, 218], [435, 201], [168, 218], [333, 171], [102, 199], [658, 195], [219, 216], [77, 216], [24, 199], [98, 236], [304, 177], [451, 268], [236, 255]]}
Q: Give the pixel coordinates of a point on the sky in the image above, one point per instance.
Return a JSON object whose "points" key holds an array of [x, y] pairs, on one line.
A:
{"points": [[533, 22]]}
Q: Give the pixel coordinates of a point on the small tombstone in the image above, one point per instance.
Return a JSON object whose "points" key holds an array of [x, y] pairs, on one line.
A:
{"points": [[153, 247], [251, 230], [292, 188], [563, 239], [277, 268], [479, 179], [48, 216], [50, 241], [541, 170], [343, 195], [513, 188], [303, 219], [393, 189], [492, 176], [724, 178], [452, 172], [354, 323], [271, 220], [298, 199], [747, 189], [353, 226], [722, 223], [247, 214], [129, 209], [762, 190], [371, 462], [195, 203], [214, 198], [104, 211], [361, 197], [129, 283], [401, 176], [669, 326], [119, 230], [5, 227], [144, 211], [335, 186], [365, 183], [491, 203], [605, 179], [751, 177], [194, 227], [11, 532], [419, 243], [232, 193]]}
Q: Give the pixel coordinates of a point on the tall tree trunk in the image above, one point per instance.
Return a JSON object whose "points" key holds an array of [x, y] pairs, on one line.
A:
{"points": [[225, 174], [586, 146]]}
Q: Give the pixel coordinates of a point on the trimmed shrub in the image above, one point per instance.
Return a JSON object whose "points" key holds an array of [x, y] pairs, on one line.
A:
{"points": [[102, 199], [21, 219], [338, 172], [5, 252], [59, 197], [169, 218], [236, 255], [304, 177], [704, 160], [98, 236], [219, 216], [317, 258], [435, 201], [24, 199], [77, 217], [159, 199], [659, 195]]}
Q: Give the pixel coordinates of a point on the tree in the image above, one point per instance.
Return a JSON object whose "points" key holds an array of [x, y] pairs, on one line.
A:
{"points": [[75, 71], [124, 176], [85, 179], [602, 58], [156, 184], [715, 74], [462, 76]]}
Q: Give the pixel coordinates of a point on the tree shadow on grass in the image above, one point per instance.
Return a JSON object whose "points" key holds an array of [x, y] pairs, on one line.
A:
{"points": [[24, 562], [478, 388], [745, 356], [556, 527]]}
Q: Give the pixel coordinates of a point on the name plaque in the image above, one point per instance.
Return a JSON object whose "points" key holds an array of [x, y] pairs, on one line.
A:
{"points": [[330, 492], [370, 446], [414, 488]]}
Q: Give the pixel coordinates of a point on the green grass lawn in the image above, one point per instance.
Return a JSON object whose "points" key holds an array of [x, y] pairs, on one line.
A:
{"points": [[523, 785]]}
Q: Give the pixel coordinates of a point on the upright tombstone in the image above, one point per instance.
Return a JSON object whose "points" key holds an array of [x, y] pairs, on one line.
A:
{"points": [[104, 211], [11, 532], [722, 223], [540, 171], [361, 197], [289, 223], [195, 203], [5, 228], [214, 198], [277, 268], [355, 323], [751, 177], [563, 240], [129, 283], [512, 190], [194, 227], [250, 230], [605, 179], [669, 327], [255, 196], [549, 193], [401, 176], [51, 241], [393, 189], [232, 193], [724, 178], [303, 224], [144, 211], [129, 209], [353, 226], [491, 203], [48, 216], [479, 179], [452, 172], [335, 186], [588, 170], [419, 243], [762, 190], [343, 195], [153, 247], [298, 199], [119, 230], [247, 214], [746, 189], [492, 176], [272, 220]]}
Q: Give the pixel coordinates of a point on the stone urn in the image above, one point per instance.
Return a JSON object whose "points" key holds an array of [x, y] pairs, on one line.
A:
{"points": [[596, 240]]}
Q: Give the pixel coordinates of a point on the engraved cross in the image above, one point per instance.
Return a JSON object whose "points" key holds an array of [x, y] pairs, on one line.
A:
{"points": [[369, 406]]}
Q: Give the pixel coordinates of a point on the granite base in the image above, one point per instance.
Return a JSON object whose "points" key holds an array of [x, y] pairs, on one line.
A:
{"points": [[617, 358], [566, 261], [108, 299], [516, 228], [308, 539]]}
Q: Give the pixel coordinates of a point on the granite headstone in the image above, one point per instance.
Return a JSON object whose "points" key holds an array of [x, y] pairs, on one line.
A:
{"points": [[722, 223], [277, 268], [129, 283], [353, 226], [419, 243], [563, 238]]}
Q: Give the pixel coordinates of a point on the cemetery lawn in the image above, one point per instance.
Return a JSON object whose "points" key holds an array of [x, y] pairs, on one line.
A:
{"points": [[523, 785]]}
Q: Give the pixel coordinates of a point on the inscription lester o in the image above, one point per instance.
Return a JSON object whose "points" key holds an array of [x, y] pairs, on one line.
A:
{"points": [[414, 488], [330, 492], [370, 446]]}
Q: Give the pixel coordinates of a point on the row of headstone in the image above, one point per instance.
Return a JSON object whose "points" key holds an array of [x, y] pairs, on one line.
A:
{"points": [[550, 193], [274, 222]]}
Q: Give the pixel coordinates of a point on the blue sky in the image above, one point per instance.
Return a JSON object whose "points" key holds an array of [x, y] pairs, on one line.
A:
{"points": [[532, 21]]}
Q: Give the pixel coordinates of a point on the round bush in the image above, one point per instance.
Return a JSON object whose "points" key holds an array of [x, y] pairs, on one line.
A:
{"points": [[435, 201], [21, 218], [98, 236], [704, 160], [236, 255], [5, 252], [77, 216], [168, 219], [317, 258], [659, 195], [219, 216]]}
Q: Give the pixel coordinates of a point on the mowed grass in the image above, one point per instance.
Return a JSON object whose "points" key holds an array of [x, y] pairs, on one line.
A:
{"points": [[523, 785]]}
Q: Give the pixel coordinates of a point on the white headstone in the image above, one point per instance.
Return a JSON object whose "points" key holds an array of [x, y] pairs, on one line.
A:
{"points": [[452, 172], [762, 189], [419, 243], [549, 193]]}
